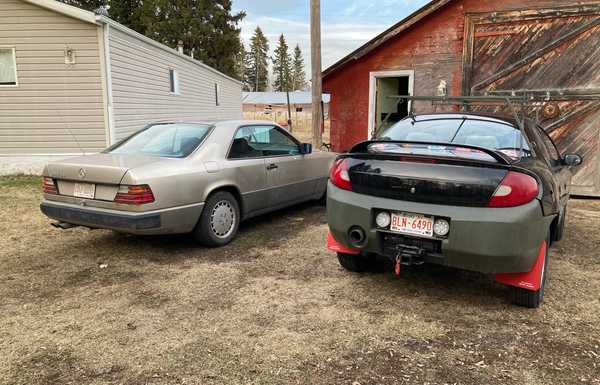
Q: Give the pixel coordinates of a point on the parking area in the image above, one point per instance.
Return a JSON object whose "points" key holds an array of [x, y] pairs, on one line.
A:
{"points": [[274, 307]]}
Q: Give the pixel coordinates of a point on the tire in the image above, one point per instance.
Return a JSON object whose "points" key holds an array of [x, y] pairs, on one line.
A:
{"points": [[560, 228], [528, 298], [354, 263], [219, 221]]}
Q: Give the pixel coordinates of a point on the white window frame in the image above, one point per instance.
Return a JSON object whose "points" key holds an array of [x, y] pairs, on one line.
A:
{"points": [[176, 88], [14, 52], [373, 76]]}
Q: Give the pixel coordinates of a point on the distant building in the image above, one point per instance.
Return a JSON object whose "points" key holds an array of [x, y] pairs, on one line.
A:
{"points": [[273, 106], [72, 82]]}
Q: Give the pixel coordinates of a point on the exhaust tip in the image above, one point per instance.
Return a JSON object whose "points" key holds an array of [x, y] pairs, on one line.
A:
{"points": [[63, 225], [356, 236]]}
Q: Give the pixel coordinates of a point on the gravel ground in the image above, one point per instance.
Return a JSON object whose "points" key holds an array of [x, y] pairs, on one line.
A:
{"points": [[274, 307]]}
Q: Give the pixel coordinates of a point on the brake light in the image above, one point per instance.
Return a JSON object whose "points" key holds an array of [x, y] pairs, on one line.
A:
{"points": [[49, 186], [339, 175], [515, 190], [135, 195]]}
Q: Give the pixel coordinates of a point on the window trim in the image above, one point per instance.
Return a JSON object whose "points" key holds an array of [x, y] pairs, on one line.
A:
{"points": [[175, 90], [298, 143], [14, 55], [542, 133]]}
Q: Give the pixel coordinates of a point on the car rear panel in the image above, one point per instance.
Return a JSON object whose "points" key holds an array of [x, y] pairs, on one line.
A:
{"points": [[489, 240], [105, 171]]}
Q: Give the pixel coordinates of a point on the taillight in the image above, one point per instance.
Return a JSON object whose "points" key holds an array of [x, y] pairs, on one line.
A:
{"points": [[49, 186], [515, 190], [339, 175], [135, 195]]}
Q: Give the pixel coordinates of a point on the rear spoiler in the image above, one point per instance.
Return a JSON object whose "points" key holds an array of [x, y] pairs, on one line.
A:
{"points": [[362, 148]]}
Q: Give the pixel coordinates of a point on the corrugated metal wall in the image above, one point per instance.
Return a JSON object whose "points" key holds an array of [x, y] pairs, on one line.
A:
{"points": [[140, 86], [56, 108]]}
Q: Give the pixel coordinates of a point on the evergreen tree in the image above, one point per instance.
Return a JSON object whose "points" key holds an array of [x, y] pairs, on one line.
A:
{"points": [[128, 13], [89, 5], [243, 68], [298, 75], [282, 67], [257, 62]]}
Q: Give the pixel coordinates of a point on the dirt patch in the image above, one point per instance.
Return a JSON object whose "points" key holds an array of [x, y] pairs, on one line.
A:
{"points": [[274, 307]]}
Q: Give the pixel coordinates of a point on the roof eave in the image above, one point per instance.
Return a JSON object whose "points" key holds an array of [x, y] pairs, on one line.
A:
{"points": [[391, 32], [65, 9]]}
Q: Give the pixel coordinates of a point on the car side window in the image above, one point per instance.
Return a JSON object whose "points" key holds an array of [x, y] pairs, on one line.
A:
{"points": [[553, 153], [262, 141]]}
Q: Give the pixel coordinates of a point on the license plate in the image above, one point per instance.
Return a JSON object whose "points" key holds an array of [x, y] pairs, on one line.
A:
{"points": [[413, 224], [85, 190]]}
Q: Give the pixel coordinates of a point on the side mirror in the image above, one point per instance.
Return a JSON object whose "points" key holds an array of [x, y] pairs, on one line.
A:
{"points": [[572, 160], [305, 148]]}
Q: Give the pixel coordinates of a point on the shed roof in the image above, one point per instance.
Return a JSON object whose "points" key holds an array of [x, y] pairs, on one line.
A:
{"points": [[296, 97], [391, 32]]}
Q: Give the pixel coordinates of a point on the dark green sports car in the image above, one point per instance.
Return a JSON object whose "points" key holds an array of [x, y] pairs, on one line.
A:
{"points": [[468, 191]]}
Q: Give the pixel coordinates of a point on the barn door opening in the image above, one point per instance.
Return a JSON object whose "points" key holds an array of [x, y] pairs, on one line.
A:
{"points": [[384, 111], [551, 53]]}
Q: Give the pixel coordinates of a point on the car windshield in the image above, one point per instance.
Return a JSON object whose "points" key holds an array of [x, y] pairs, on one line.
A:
{"points": [[492, 135], [175, 140]]}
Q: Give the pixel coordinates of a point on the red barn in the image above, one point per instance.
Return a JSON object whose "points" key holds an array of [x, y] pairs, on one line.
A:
{"points": [[544, 47]]}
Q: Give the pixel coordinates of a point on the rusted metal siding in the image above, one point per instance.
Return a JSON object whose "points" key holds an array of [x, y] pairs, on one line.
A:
{"points": [[544, 49]]}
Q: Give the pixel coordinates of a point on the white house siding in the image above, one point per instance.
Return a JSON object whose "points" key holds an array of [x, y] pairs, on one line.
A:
{"points": [[140, 86], [57, 108]]}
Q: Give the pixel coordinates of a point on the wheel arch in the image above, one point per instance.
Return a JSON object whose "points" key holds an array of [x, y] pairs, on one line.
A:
{"points": [[230, 188]]}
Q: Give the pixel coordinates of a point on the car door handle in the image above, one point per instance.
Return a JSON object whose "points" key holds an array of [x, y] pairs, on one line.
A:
{"points": [[272, 166]]}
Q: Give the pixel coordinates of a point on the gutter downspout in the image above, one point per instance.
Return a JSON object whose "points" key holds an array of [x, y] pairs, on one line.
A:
{"points": [[108, 80]]}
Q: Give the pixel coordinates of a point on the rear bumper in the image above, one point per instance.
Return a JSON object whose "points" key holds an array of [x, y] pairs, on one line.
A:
{"points": [[167, 221], [486, 240]]}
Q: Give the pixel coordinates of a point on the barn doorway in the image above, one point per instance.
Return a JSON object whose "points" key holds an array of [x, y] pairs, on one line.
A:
{"points": [[384, 111]]}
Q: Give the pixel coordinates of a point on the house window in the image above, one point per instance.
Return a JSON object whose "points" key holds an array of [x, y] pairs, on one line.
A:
{"points": [[8, 67], [298, 109], [217, 94], [173, 82]]}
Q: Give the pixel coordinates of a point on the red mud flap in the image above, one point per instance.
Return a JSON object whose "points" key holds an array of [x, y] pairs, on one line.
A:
{"points": [[334, 245], [529, 281]]}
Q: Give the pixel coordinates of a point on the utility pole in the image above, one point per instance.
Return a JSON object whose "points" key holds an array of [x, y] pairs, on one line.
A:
{"points": [[315, 61]]}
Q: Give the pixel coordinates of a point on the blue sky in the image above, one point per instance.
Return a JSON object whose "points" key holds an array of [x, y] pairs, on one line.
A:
{"points": [[346, 24]]}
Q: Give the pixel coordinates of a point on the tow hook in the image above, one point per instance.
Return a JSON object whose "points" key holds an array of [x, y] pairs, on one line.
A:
{"points": [[397, 265], [63, 225]]}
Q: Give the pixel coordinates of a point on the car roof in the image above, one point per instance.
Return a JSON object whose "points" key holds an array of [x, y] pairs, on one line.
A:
{"points": [[239, 122]]}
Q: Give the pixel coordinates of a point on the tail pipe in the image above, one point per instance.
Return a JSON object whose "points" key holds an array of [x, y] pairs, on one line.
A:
{"points": [[63, 225], [356, 236]]}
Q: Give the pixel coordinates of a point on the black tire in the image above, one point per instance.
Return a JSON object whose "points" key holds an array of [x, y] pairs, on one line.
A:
{"points": [[354, 263], [560, 228], [219, 204], [528, 298]]}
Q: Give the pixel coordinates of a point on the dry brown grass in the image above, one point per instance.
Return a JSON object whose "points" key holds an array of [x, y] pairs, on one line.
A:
{"points": [[275, 308]]}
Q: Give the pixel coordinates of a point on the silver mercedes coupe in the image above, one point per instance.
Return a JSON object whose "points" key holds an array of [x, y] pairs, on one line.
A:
{"points": [[186, 177]]}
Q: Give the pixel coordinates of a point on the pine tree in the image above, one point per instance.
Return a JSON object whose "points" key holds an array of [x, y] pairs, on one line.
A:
{"points": [[282, 67], [243, 68], [89, 5], [128, 13], [298, 75], [257, 62]]}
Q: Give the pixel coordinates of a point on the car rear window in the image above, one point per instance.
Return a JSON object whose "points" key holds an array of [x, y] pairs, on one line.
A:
{"points": [[175, 140], [497, 136]]}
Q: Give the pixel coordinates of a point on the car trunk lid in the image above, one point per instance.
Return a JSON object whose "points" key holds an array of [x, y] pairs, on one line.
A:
{"points": [[98, 168], [447, 175]]}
